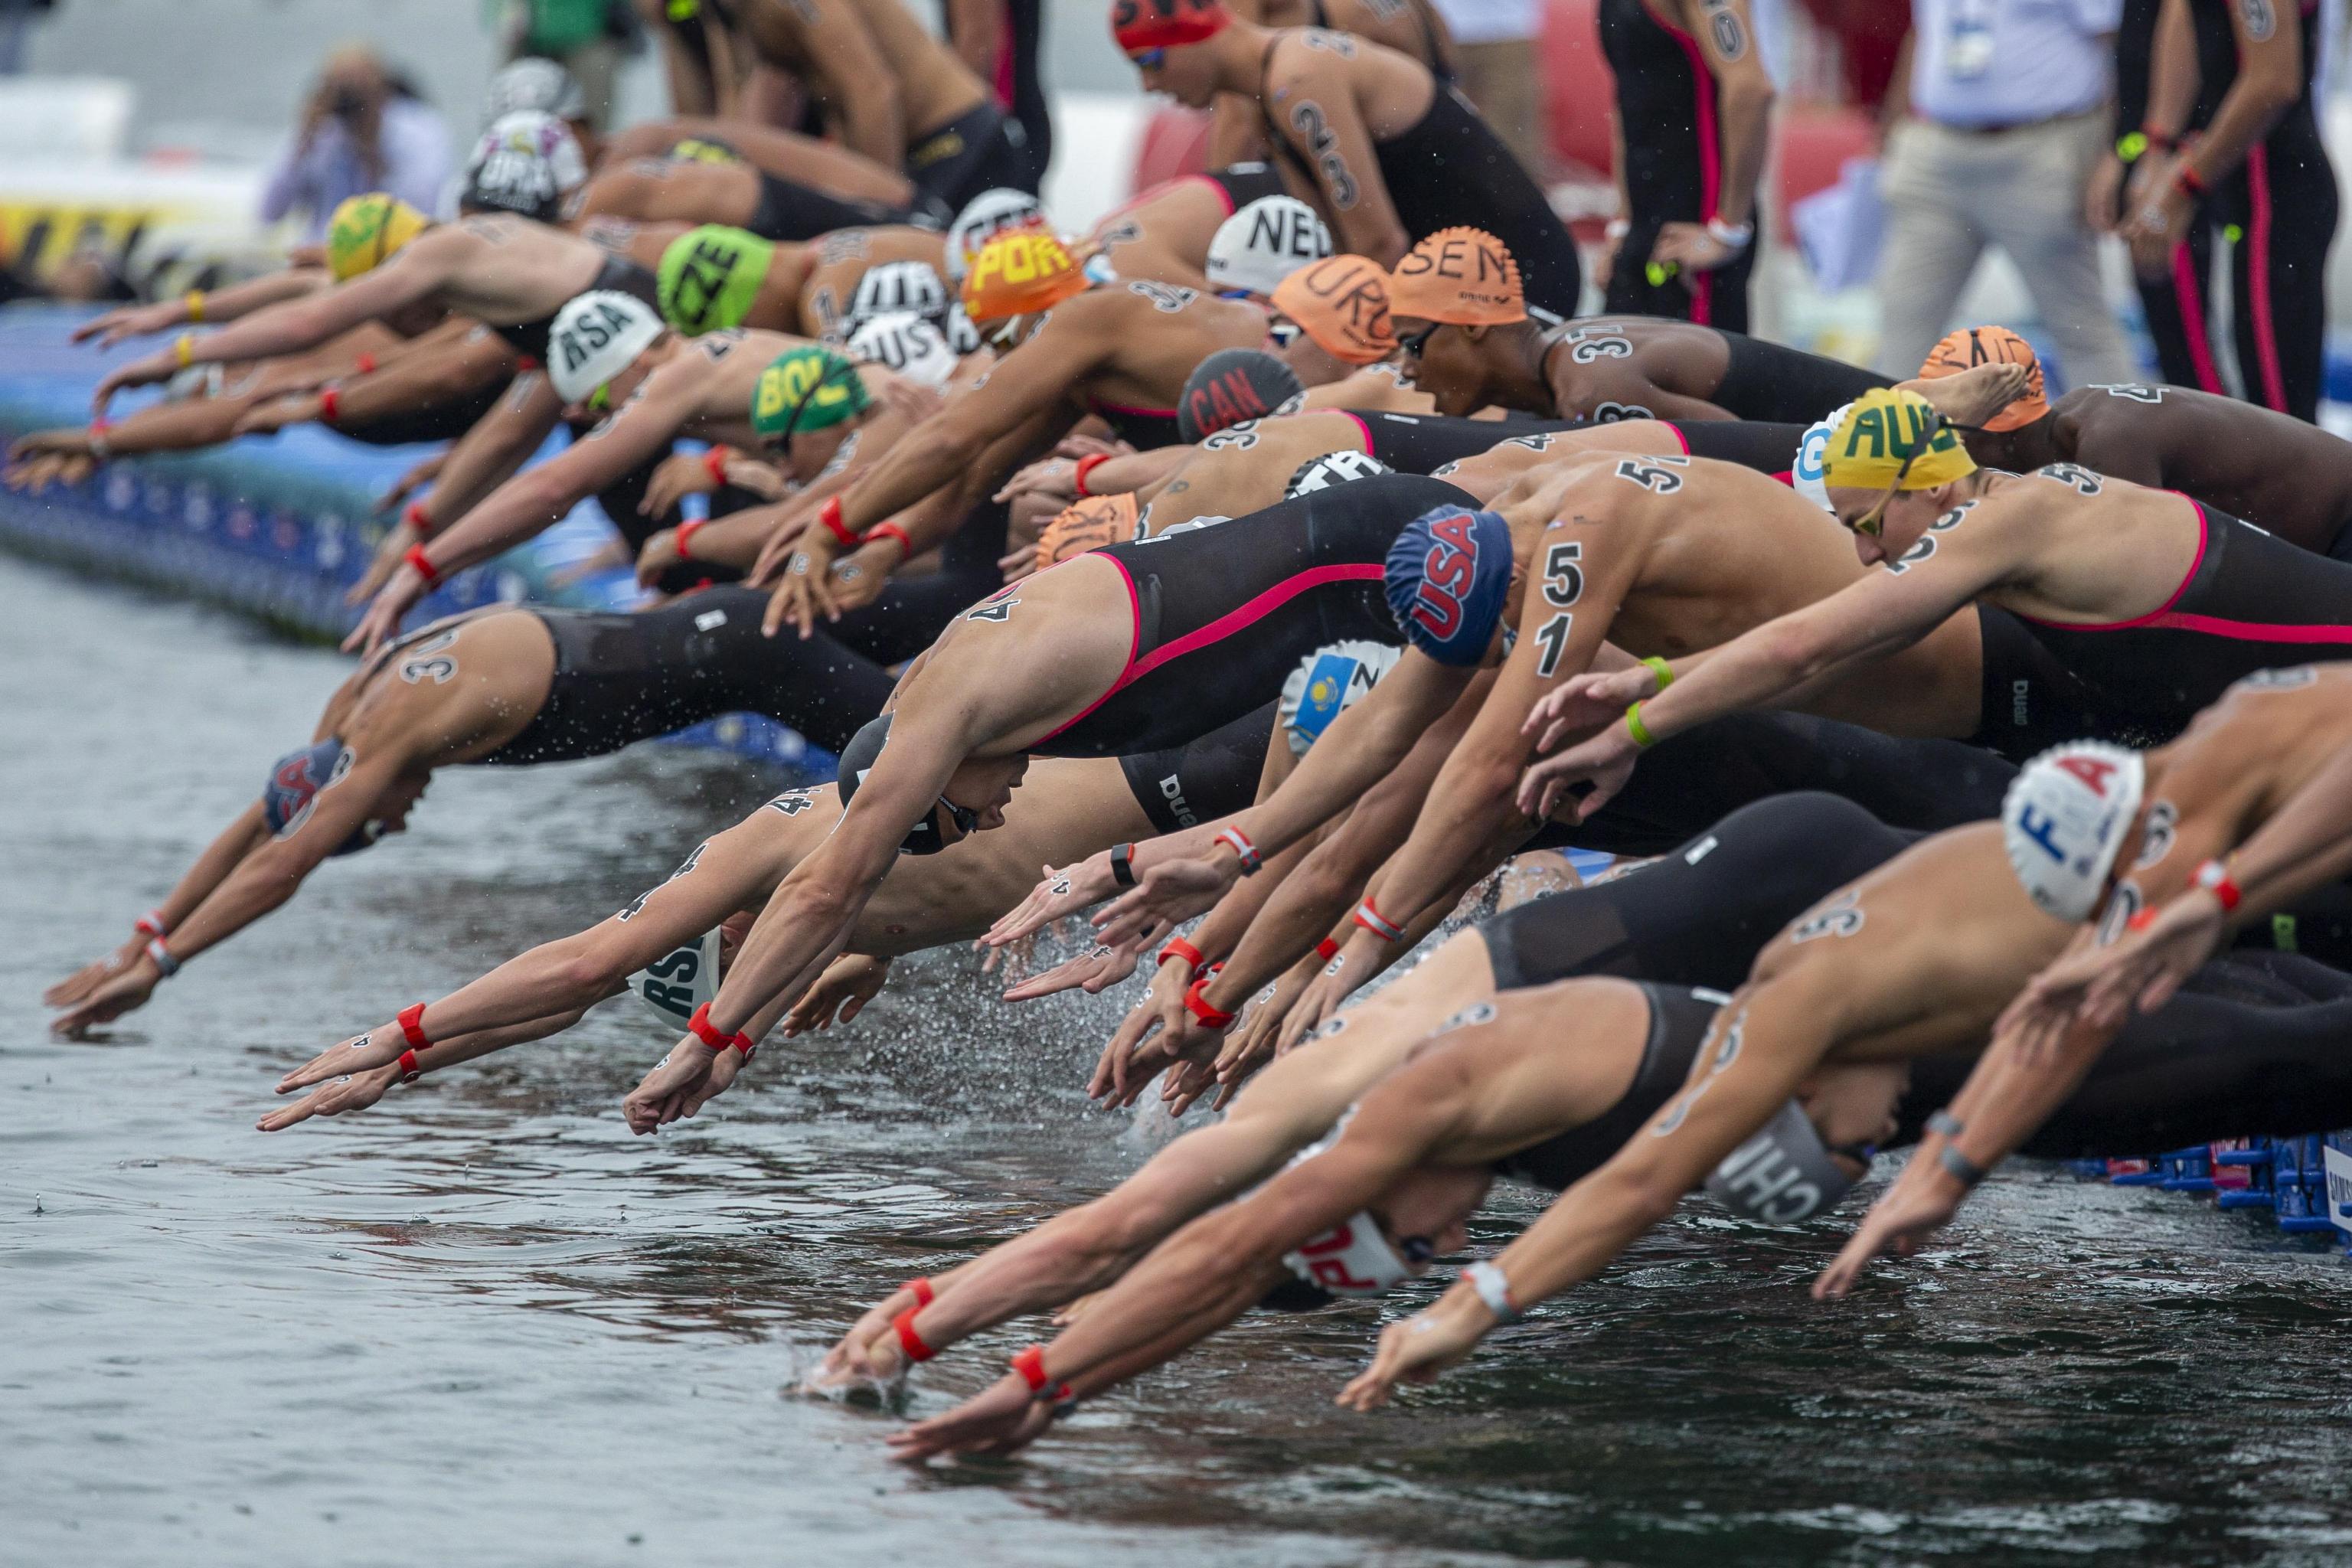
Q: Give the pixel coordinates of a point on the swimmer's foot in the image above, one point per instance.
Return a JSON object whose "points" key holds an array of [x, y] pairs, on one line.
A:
{"points": [[1971, 396]]}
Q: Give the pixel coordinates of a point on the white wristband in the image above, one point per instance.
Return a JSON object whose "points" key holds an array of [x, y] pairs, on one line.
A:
{"points": [[1494, 1289], [1725, 234]]}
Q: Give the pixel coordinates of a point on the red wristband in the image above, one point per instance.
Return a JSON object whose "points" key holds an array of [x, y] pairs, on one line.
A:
{"points": [[685, 533], [424, 564], [1210, 1017], [702, 1029], [412, 1026], [892, 531], [1087, 465], [419, 523], [829, 514], [1235, 840], [2188, 181], [714, 463], [921, 1286], [2215, 878], [1031, 1364], [525, 364], [409, 1071], [908, 1340], [329, 396], [1372, 920], [367, 364], [152, 924], [1179, 948], [1326, 948], [2141, 919]]}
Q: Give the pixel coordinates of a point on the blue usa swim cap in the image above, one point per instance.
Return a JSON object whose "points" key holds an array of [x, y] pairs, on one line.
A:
{"points": [[1448, 573], [296, 780]]}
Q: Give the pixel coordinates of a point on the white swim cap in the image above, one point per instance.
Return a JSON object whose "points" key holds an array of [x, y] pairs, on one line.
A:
{"points": [[1351, 1258], [907, 345], [534, 82], [526, 162], [2064, 822], [983, 218], [1325, 684], [1781, 1175], [595, 337], [687, 978], [897, 286], [1332, 468], [1805, 474], [1265, 243], [963, 338]]}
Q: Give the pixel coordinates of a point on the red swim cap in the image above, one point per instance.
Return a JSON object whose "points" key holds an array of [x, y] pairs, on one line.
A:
{"points": [[1139, 24]]}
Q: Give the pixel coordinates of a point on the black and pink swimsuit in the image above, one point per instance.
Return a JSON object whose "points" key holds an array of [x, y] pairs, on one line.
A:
{"points": [[1223, 613]]}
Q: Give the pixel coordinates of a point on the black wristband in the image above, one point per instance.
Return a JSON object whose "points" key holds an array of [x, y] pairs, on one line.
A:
{"points": [[1959, 1165], [1122, 867], [1945, 1122]]}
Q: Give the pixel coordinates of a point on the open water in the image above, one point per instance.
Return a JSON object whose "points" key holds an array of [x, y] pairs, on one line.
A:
{"points": [[482, 1324]]}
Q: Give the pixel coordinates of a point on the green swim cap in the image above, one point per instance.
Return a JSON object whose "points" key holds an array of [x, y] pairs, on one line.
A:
{"points": [[807, 388], [709, 277]]}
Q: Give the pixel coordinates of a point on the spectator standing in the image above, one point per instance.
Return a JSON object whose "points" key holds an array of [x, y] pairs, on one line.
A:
{"points": [[587, 37], [1495, 44], [2007, 120], [16, 29], [362, 130], [999, 40]]}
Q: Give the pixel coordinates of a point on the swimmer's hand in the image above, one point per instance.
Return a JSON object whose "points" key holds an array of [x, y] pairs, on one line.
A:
{"points": [[1056, 478], [849, 982], [1094, 971], [409, 483], [1022, 562], [681, 1084], [869, 1349], [999, 1419], [1690, 246], [84, 982], [34, 474], [1922, 1201], [1157, 1035], [1168, 894], [391, 605], [126, 990], [1582, 705], [352, 1091], [1605, 762], [1059, 891], [2098, 986], [360, 1052], [396, 543], [138, 373], [1416, 1350], [131, 321], [269, 418], [675, 478]]}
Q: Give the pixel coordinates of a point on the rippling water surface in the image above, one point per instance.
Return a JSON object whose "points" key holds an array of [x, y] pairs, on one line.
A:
{"points": [[480, 1324]]}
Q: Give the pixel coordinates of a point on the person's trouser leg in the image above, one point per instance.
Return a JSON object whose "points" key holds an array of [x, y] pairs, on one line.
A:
{"points": [[1501, 79], [2036, 216], [2280, 275], [1931, 245]]}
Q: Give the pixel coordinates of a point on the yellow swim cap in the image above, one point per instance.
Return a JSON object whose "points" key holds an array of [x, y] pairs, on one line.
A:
{"points": [[1889, 436], [364, 230]]}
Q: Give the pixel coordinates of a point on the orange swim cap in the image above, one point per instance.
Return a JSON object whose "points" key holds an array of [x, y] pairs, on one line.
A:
{"points": [[1971, 346], [1090, 524], [1465, 276], [1341, 302], [1020, 271], [1139, 24]]}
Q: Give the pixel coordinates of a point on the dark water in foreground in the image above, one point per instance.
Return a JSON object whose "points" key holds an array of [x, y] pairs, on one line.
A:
{"points": [[481, 1324]]}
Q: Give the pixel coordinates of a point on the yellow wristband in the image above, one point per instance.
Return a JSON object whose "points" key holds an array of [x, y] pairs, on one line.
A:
{"points": [[1665, 671], [185, 349], [1635, 727], [196, 304]]}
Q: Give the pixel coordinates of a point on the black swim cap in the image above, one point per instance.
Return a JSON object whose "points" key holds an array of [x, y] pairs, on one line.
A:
{"points": [[857, 759], [1232, 385]]}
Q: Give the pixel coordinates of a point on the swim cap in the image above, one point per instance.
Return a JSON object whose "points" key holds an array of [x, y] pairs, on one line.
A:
{"points": [[897, 286], [1325, 684], [1019, 272], [1783, 1174], [1884, 427], [807, 388], [595, 337], [1805, 472], [526, 162], [709, 278], [2064, 822], [857, 760], [1332, 468], [985, 217], [1351, 1258], [907, 345], [1090, 523], [1232, 385], [1465, 276], [681, 981], [1448, 576], [704, 149], [1265, 243], [1970, 346], [1138, 24], [364, 230], [963, 338], [534, 82], [1341, 302], [296, 782]]}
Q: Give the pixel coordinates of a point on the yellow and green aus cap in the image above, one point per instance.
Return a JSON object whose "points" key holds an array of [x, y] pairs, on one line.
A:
{"points": [[1892, 437], [364, 230], [807, 388]]}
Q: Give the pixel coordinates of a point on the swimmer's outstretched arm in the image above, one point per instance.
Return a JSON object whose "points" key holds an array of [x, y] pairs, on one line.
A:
{"points": [[349, 1086], [216, 305], [211, 869], [455, 360]]}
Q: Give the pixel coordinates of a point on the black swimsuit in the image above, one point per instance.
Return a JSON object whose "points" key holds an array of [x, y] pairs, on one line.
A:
{"points": [[971, 153], [1205, 779], [1423, 443], [529, 337], [1223, 613], [1245, 183], [1679, 1017], [1450, 169], [1770, 381], [789, 210]]}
